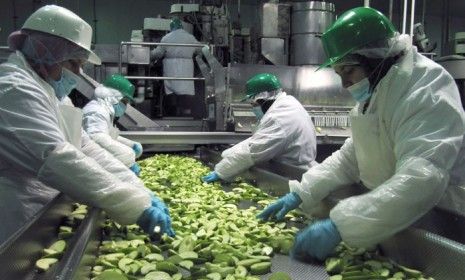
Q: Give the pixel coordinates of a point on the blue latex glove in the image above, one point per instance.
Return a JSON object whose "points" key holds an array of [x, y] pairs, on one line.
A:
{"points": [[152, 217], [135, 168], [278, 209], [156, 202], [211, 177], [317, 240], [137, 147]]}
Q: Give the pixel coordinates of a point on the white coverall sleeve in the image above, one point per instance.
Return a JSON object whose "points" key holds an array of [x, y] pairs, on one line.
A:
{"points": [[120, 151], [126, 141], [425, 148], [233, 149], [158, 52], [92, 184], [336, 171], [93, 120], [109, 162], [268, 141], [96, 121], [31, 140]]}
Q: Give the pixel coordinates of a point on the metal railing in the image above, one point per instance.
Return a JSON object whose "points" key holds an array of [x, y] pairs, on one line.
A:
{"points": [[156, 44]]}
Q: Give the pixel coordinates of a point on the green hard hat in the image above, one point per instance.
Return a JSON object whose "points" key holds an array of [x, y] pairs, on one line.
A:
{"points": [[354, 29], [260, 83], [121, 84], [175, 24]]}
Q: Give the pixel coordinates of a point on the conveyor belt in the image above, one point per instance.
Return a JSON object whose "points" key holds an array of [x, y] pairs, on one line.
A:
{"points": [[434, 245], [297, 269], [420, 247], [276, 185]]}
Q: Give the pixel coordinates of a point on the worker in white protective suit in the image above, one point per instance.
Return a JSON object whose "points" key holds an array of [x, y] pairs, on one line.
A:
{"points": [[285, 132], [44, 150], [177, 62], [109, 101], [407, 145]]}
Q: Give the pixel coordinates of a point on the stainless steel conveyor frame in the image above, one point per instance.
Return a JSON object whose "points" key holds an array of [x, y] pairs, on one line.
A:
{"points": [[434, 245]]}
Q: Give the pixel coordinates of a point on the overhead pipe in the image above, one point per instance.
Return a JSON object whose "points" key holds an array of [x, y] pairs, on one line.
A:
{"points": [[15, 15], [423, 8], [445, 28], [412, 18], [95, 22], [239, 10], [391, 6], [404, 17]]}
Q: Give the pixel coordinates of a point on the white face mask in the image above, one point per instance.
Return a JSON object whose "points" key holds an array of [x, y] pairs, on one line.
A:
{"points": [[257, 110], [361, 90], [120, 108], [65, 84]]}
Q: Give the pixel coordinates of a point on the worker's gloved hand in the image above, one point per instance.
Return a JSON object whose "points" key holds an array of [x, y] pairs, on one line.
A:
{"points": [[317, 240], [137, 147], [156, 202], [135, 168], [153, 217], [211, 177], [278, 209]]}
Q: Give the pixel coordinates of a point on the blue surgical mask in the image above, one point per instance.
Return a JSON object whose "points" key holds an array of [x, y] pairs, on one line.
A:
{"points": [[64, 85], [257, 110], [361, 90], [120, 108]]}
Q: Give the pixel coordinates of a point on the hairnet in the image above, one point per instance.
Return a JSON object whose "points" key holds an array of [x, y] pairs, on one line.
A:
{"points": [[267, 95], [378, 50], [385, 48], [45, 49], [349, 59], [108, 94]]}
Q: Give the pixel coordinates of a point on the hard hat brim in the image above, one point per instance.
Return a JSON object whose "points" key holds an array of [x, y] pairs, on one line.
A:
{"points": [[246, 98], [16, 40], [93, 58], [332, 60]]}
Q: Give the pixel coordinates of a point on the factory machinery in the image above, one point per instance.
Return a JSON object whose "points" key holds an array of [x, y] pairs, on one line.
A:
{"points": [[286, 45]]}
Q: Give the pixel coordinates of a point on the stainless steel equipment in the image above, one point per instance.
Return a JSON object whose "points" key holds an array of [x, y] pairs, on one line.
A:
{"points": [[309, 21], [4, 53], [421, 41], [275, 30], [321, 93], [459, 43], [215, 25]]}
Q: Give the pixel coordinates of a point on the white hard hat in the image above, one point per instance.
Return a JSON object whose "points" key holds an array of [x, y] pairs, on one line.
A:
{"points": [[63, 23]]}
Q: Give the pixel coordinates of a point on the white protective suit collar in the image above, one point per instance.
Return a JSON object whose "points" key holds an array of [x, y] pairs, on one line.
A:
{"points": [[397, 76], [278, 96]]}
